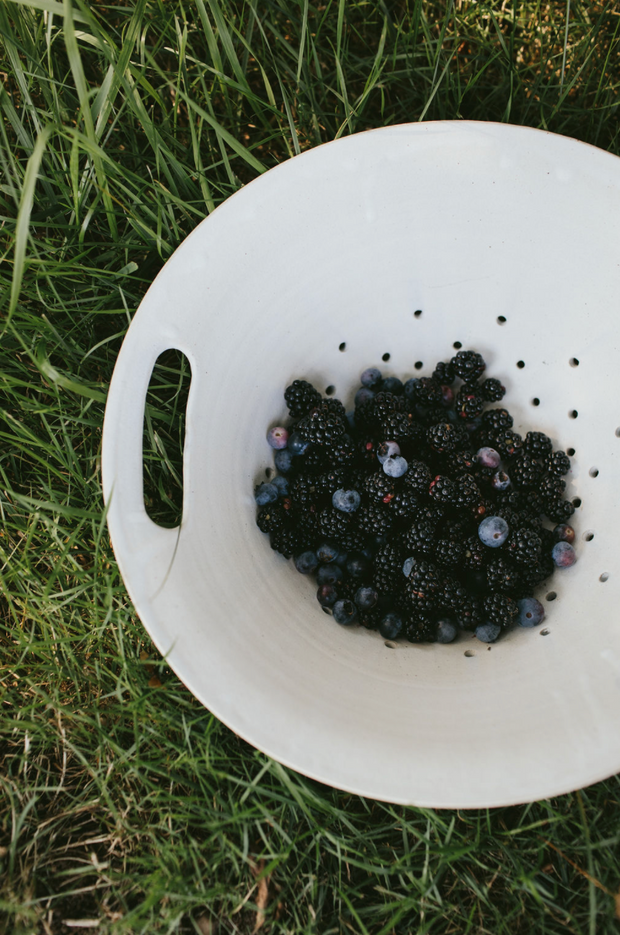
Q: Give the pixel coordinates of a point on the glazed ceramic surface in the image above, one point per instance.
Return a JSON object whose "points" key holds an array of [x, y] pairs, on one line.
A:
{"points": [[465, 222]]}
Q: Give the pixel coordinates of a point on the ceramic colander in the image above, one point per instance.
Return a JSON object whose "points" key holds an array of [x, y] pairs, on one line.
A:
{"points": [[399, 242]]}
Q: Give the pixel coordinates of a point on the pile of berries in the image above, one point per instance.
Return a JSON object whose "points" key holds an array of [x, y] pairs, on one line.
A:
{"points": [[420, 512]]}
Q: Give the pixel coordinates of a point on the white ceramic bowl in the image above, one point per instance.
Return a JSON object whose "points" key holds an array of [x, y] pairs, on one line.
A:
{"points": [[465, 221]]}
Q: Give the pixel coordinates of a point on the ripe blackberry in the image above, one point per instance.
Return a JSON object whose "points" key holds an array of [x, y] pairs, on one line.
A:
{"points": [[418, 477], [379, 487], [339, 527], [420, 537], [316, 459], [384, 404], [428, 392], [455, 598], [419, 628], [502, 576], [300, 398], [467, 492], [370, 618], [388, 568], [448, 553], [468, 365], [367, 450], [508, 443], [374, 520], [305, 491], [534, 575], [289, 540], [343, 452], [492, 390], [444, 373], [272, 517], [525, 472], [524, 546], [550, 487], [500, 609], [321, 426], [422, 586], [330, 481], [531, 502], [396, 426], [443, 490], [404, 504], [559, 511], [335, 407], [474, 554], [537, 444], [494, 420], [469, 403], [462, 462], [442, 437], [557, 463]]}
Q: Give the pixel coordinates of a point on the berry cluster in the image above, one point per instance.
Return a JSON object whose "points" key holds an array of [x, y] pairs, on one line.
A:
{"points": [[419, 512]]}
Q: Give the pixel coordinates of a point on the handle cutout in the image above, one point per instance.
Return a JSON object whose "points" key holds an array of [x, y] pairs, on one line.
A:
{"points": [[163, 438]]}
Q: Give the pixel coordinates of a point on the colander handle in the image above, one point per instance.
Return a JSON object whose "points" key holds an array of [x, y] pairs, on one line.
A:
{"points": [[144, 549]]}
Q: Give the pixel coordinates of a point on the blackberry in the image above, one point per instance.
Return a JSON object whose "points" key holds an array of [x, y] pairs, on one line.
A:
{"points": [[420, 537], [557, 463], [379, 487], [300, 398], [428, 392], [492, 390], [404, 504], [322, 426], [304, 491], [370, 618], [550, 487], [455, 598], [374, 520], [443, 490], [388, 568], [500, 609], [467, 492], [423, 585], [442, 437], [531, 502], [418, 477], [448, 553], [367, 450], [419, 628], [384, 404], [316, 459], [396, 426], [474, 553], [340, 527], [494, 420], [508, 443], [533, 575], [444, 373], [525, 472], [559, 511], [468, 365], [343, 452], [524, 546], [469, 404], [329, 482], [502, 576], [537, 444], [272, 517], [289, 540]]}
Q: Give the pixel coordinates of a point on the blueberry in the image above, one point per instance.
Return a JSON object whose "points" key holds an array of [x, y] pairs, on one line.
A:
{"points": [[472, 425], [347, 501], [330, 574], [392, 385], [365, 598], [500, 481], [493, 531], [345, 613], [488, 457], [395, 467], [370, 377], [387, 450], [488, 632], [296, 444], [283, 460], [408, 565], [446, 630], [277, 437], [564, 533], [363, 396], [410, 388], [357, 565], [265, 493], [531, 612], [281, 485], [563, 554], [306, 563], [390, 626], [327, 595], [327, 552]]}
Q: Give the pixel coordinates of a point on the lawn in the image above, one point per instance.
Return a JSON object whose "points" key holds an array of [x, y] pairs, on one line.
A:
{"points": [[125, 806]]}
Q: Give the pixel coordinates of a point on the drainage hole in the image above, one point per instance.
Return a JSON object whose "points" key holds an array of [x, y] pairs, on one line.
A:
{"points": [[501, 320], [618, 432], [469, 652], [576, 502], [536, 401], [390, 645], [458, 346], [593, 472], [343, 346], [417, 313], [573, 414], [604, 576], [268, 472], [570, 452], [520, 364], [330, 390], [588, 536], [386, 356], [551, 596], [418, 365], [574, 362], [544, 632]]}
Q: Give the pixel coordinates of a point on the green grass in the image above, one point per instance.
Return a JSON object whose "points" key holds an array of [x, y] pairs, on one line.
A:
{"points": [[122, 800]]}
